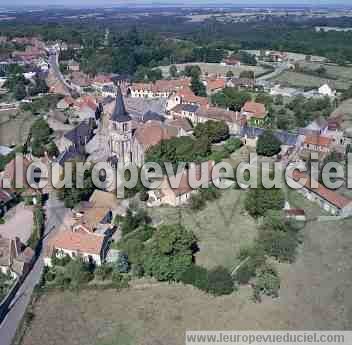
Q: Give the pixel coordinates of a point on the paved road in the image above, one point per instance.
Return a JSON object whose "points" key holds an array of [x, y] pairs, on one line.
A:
{"points": [[278, 70], [55, 68], [55, 212]]}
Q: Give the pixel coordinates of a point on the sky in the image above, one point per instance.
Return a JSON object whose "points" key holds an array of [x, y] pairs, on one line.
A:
{"points": [[85, 3]]}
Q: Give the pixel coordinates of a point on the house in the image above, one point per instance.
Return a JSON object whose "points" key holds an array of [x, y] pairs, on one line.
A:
{"points": [[108, 91], [93, 218], [83, 244], [317, 143], [233, 119], [6, 200], [188, 111], [214, 85], [158, 89], [102, 80], [242, 83], [295, 214], [80, 79], [185, 96], [255, 113], [231, 61], [73, 66], [15, 257], [182, 193], [183, 126], [326, 90], [327, 199]]}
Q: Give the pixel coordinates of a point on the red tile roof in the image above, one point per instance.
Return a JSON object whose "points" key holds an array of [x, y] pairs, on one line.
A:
{"points": [[257, 109], [317, 140], [152, 132], [219, 114], [215, 84], [187, 96], [331, 196], [78, 241]]}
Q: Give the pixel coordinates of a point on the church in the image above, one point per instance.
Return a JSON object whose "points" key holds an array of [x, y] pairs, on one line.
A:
{"points": [[123, 139]]}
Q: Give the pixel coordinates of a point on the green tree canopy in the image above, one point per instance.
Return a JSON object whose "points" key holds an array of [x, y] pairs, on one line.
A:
{"points": [[268, 145]]}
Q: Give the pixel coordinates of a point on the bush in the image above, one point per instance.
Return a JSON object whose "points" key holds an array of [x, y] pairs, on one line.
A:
{"points": [[220, 282], [196, 276], [210, 193], [268, 145], [137, 270], [119, 280], [232, 145], [197, 202], [122, 264], [267, 282], [103, 272]]}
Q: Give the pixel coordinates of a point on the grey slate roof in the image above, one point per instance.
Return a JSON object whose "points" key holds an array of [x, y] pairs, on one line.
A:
{"points": [[120, 113], [286, 138], [152, 115]]}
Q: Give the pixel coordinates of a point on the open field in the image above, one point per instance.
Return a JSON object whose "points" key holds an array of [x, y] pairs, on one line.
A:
{"points": [[222, 227], [295, 57], [316, 294], [216, 68], [332, 71], [301, 80], [14, 127], [344, 110]]}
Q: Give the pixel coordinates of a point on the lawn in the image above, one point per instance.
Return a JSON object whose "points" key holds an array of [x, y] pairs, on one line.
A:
{"points": [[221, 228], [301, 80], [216, 68], [315, 294]]}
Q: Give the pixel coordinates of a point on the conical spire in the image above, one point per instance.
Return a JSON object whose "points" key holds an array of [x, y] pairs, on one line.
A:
{"points": [[120, 114]]}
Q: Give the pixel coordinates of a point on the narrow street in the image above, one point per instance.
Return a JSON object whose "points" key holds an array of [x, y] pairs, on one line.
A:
{"points": [[55, 212]]}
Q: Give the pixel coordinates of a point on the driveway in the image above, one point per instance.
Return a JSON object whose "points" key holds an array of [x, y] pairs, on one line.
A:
{"points": [[18, 223]]}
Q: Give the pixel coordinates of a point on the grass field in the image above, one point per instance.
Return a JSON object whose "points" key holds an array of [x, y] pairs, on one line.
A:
{"points": [[14, 127], [216, 68], [300, 80], [344, 111], [222, 227], [332, 71], [315, 294]]}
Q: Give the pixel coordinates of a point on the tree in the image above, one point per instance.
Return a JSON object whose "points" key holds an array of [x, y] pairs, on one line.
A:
{"points": [[40, 136], [247, 75], [267, 282], [220, 282], [198, 87], [248, 59], [268, 145], [196, 276], [169, 253], [259, 201], [173, 71], [122, 264], [192, 71], [233, 144], [231, 98], [213, 131], [20, 92], [78, 273]]}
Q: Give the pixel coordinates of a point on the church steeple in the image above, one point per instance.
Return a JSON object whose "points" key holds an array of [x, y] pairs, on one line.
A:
{"points": [[120, 113]]}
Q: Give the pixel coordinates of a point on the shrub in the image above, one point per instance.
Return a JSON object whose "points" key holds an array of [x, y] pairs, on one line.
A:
{"points": [[122, 264], [103, 272], [119, 281], [267, 282], [220, 282], [197, 202], [268, 145], [196, 276], [137, 270], [232, 145]]}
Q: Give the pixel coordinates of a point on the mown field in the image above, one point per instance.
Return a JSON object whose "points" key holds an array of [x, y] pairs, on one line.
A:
{"points": [[301, 80], [216, 68], [221, 228], [14, 127], [315, 294]]}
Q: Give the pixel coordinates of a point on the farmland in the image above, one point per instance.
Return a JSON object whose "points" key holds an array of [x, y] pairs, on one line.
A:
{"points": [[215, 68], [332, 71], [305, 81]]}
